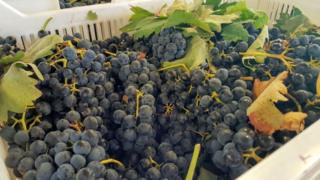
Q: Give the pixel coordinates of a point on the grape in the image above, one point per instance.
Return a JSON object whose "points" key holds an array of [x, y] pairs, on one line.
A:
{"points": [[81, 147], [90, 122], [153, 173], [38, 147], [43, 108], [84, 44], [129, 135], [238, 92], [85, 174], [59, 147], [214, 84], [112, 174], [300, 51], [30, 175], [242, 46], [90, 136], [98, 168], [42, 159], [302, 95], [231, 156], [21, 138], [218, 160], [304, 40], [97, 154], [205, 101], [118, 116], [7, 133], [170, 156], [224, 135], [131, 174], [69, 53], [222, 74], [65, 171], [45, 171], [62, 157], [244, 102], [230, 119], [123, 58], [314, 51], [169, 170], [62, 124], [73, 116], [44, 67], [25, 165]]}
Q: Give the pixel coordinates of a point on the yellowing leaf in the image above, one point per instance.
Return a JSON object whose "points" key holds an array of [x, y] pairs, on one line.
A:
{"points": [[197, 54], [318, 85], [266, 117], [193, 162], [180, 5], [260, 86], [17, 90], [257, 45], [41, 48], [218, 20], [92, 16]]}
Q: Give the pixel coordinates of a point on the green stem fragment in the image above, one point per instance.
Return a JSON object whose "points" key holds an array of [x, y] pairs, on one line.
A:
{"points": [[287, 61], [138, 95], [299, 108], [112, 161], [251, 153], [44, 26], [183, 66], [193, 162]]}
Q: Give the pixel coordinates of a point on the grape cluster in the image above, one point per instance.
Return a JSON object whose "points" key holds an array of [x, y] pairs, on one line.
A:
{"points": [[8, 47], [108, 112], [168, 45], [78, 3]]}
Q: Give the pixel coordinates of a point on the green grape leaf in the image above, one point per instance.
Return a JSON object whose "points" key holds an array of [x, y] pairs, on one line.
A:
{"points": [[214, 3], [206, 174], [182, 17], [6, 60], [17, 90], [193, 162], [153, 27], [237, 7], [218, 20], [258, 46], [180, 5], [235, 32], [139, 13], [41, 48], [261, 19], [292, 24], [197, 53], [92, 16], [136, 25]]}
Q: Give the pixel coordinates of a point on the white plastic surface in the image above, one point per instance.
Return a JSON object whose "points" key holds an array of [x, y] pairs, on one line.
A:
{"points": [[289, 162], [32, 6]]}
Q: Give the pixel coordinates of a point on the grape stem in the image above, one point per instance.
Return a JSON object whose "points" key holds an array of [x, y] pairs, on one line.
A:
{"points": [[112, 161], [251, 153], [153, 162], [138, 95], [295, 101], [282, 57], [183, 66]]}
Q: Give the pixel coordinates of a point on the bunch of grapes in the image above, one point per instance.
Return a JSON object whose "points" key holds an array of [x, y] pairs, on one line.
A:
{"points": [[78, 3], [108, 112], [168, 45], [8, 47]]}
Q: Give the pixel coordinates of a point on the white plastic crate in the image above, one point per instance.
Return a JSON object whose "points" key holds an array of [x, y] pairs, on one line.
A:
{"points": [[298, 159]]}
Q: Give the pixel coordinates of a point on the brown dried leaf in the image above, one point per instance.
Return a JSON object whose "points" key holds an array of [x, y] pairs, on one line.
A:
{"points": [[265, 116]]}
